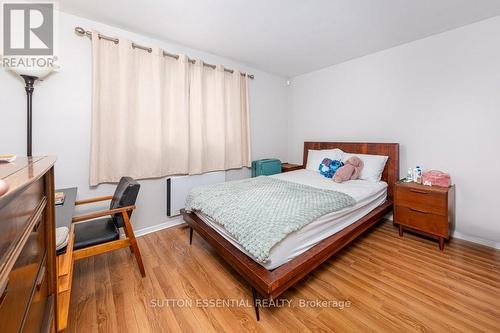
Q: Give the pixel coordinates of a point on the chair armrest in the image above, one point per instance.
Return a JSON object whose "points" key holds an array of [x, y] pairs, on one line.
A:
{"points": [[102, 213], [91, 200]]}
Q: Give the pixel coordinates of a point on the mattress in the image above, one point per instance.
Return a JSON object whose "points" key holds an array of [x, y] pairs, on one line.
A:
{"points": [[368, 196]]}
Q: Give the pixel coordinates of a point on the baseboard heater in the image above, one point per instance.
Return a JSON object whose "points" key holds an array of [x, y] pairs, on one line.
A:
{"points": [[179, 186]]}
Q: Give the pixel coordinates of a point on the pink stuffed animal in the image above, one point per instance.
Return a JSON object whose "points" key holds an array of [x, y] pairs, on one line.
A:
{"points": [[350, 171]]}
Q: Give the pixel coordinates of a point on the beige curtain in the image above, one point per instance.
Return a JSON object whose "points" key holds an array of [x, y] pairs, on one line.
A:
{"points": [[154, 116]]}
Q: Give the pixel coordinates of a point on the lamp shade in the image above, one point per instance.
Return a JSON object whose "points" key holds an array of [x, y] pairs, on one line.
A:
{"points": [[37, 71]]}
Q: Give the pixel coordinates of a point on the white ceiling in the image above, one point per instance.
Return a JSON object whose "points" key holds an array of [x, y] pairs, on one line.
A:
{"points": [[286, 37]]}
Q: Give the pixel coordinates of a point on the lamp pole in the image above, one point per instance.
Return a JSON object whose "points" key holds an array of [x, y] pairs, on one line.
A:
{"points": [[30, 81]]}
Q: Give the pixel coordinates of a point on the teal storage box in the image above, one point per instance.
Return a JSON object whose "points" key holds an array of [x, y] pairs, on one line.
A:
{"points": [[266, 167]]}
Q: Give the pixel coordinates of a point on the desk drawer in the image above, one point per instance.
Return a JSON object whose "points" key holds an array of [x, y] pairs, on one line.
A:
{"points": [[15, 215], [16, 293], [427, 222], [424, 201]]}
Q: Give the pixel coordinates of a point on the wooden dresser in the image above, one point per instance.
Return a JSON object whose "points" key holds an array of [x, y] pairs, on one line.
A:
{"points": [[427, 209], [27, 246]]}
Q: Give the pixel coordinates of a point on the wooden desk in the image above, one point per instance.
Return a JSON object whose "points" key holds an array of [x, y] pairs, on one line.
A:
{"points": [[64, 214]]}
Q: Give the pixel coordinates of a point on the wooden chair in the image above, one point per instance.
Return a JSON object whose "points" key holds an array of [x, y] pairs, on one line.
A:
{"points": [[100, 232]]}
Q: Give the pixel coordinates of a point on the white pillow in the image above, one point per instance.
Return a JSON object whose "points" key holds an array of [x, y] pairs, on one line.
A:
{"points": [[315, 157], [373, 166]]}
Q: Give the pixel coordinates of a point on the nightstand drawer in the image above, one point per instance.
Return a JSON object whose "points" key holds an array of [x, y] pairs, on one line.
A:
{"points": [[420, 200], [422, 220]]}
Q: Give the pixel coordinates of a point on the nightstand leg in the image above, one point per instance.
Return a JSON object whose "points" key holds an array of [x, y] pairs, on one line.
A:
{"points": [[400, 230], [441, 243]]}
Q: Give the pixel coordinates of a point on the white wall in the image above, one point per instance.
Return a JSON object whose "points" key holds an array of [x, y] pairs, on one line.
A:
{"points": [[62, 116], [438, 97]]}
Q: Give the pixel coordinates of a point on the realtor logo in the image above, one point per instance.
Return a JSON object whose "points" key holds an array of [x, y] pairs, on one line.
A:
{"points": [[28, 29]]}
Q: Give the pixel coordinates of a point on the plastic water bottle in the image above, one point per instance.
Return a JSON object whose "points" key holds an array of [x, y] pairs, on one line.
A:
{"points": [[418, 175], [409, 176]]}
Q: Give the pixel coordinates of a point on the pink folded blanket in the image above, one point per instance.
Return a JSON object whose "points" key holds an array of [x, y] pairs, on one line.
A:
{"points": [[350, 171]]}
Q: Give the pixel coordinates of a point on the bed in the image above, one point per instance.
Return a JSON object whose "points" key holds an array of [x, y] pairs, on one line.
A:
{"points": [[305, 249]]}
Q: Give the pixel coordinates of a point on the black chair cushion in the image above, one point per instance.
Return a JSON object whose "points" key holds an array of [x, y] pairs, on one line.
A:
{"points": [[125, 195], [95, 232]]}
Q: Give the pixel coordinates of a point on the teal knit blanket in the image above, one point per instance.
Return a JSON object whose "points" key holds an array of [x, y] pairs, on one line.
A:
{"points": [[260, 212]]}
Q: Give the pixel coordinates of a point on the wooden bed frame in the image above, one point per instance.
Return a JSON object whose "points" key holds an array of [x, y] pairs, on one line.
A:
{"points": [[270, 284]]}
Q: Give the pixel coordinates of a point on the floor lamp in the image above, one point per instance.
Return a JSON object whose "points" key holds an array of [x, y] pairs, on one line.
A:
{"points": [[30, 75]]}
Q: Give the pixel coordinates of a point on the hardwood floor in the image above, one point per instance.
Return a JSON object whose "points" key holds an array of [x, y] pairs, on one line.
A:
{"points": [[393, 284]]}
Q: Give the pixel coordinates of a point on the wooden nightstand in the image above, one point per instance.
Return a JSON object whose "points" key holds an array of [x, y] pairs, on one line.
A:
{"points": [[286, 167], [426, 209]]}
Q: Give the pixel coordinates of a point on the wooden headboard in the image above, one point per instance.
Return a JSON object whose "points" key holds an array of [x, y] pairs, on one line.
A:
{"points": [[391, 171]]}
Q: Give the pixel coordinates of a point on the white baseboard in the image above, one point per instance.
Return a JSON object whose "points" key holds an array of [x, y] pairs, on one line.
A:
{"points": [[477, 240], [472, 239], [157, 227]]}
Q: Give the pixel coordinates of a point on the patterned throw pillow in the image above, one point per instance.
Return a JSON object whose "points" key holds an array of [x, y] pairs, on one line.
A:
{"points": [[328, 167]]}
